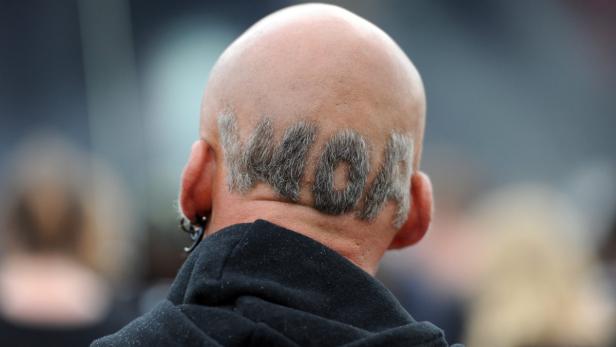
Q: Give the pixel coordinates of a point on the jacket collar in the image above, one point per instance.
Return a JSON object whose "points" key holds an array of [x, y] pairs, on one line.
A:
{"points": [[287, 268]]}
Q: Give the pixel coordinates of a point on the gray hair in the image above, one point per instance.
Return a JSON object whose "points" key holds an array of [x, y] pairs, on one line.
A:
{"points": [[238, 178], [282, 166], [346, 146], [393, 181]]}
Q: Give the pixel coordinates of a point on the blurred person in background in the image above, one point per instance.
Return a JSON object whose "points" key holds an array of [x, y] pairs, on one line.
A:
{"points": [[54, 288], [607, 255], [541, 286], [306, 173]]}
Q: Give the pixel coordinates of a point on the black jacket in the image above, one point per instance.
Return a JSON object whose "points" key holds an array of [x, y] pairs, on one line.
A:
{"points": [[259, 284]]}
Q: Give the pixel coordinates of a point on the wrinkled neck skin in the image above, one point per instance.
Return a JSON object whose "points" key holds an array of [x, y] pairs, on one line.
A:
{"points": [[358, 241]]}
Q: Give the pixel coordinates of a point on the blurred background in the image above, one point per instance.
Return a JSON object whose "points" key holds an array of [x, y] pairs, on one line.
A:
{"points": [[99, 104]]}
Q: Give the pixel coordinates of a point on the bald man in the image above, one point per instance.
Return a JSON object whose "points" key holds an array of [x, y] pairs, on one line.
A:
{"points": [[305, 174]]}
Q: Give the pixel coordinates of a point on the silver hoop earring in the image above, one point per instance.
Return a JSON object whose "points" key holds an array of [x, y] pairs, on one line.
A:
{"points": [[195, 230]]}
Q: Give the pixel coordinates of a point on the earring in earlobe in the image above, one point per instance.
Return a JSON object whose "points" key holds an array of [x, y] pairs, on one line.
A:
{"points": [[195, 230]]}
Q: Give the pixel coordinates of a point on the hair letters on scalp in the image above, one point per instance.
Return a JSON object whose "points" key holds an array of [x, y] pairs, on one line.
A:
{"points": [[282, 165]]}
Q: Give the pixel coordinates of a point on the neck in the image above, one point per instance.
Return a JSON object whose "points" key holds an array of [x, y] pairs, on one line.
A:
{"points": [[355, 240]]}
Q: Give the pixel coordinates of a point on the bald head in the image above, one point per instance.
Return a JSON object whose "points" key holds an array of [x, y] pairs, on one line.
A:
{"points": [[320, 63], [320, 105]]}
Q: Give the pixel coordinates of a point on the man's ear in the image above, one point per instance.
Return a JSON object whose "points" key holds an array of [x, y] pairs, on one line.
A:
{"points": [[197, 181], [420, 213]]}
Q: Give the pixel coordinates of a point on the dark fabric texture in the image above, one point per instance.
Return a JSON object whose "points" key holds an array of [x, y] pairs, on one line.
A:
{"points": [[259, 284]]}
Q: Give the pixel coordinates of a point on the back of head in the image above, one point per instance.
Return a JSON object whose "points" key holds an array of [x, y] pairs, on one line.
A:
{"points": [[315, 110]]}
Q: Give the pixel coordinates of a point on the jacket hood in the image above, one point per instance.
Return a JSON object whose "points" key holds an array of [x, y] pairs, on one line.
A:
{"points": [[259, 284]]}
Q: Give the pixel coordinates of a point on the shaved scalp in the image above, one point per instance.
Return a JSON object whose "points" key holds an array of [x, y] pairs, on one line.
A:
{"points": [[322, 107]]}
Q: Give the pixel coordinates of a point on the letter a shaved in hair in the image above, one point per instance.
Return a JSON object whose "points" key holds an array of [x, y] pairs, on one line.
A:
{"points": [[392, 181]]}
